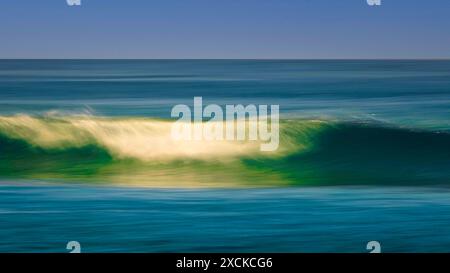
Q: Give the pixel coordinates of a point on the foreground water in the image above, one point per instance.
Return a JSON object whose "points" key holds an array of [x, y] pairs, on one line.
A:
{"points": [[36, 217]]}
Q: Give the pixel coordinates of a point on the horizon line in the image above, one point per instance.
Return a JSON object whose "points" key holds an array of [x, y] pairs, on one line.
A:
{"points": [[243, 59]]}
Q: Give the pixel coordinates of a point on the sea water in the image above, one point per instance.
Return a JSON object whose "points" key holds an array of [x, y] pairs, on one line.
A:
{"points": [[364, 155]]}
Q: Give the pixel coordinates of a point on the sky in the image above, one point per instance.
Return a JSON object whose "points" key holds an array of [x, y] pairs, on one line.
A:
{"points": [[225, 29]]}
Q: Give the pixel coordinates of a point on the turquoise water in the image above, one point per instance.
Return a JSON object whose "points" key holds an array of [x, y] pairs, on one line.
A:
{"points": [[364, 155], [43, 218]]}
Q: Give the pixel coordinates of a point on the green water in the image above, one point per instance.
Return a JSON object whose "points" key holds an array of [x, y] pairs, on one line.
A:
{"points": [[317, 153]]}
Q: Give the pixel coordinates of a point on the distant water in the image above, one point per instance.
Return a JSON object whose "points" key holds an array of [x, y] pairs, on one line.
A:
{"points": [[377, 132], [412, 93]]}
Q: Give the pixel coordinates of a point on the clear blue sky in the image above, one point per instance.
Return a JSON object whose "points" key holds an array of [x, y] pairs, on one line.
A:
{"points": [[225, 29]]}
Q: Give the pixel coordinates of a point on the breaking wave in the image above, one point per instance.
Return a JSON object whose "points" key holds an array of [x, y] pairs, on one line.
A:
{"points": [[140, 151]]}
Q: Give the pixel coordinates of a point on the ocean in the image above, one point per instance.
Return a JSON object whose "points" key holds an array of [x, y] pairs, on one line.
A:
{"points": [[363, 156]]}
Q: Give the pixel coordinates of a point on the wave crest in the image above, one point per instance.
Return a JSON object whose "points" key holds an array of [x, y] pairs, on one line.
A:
{"points": [[137, 138]]}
